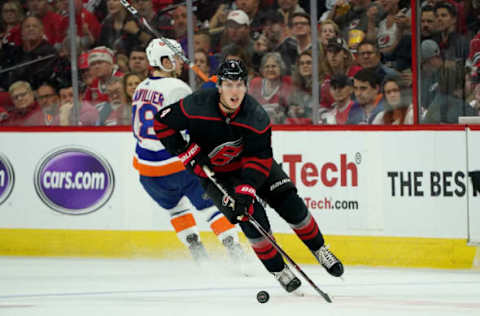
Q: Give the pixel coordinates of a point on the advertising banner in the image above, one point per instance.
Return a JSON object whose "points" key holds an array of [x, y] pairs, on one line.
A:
{"points": [[389, 183], [400, 183], [473, 138]]}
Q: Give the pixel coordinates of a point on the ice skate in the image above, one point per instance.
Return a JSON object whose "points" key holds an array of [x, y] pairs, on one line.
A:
{"points": [[328, 260], [234, 249], [237, 255], [287, 279], [196, 248]]}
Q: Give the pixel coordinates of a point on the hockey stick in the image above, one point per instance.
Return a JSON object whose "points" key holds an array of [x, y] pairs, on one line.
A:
{"points": [[27, 63], [230, 202], [151, 31]]}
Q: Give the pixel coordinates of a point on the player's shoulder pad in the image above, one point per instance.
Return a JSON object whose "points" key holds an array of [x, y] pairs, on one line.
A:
{"points": [[201, 103], [254, 115]]}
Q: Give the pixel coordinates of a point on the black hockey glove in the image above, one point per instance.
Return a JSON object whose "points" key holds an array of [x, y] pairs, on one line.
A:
{"points": [[244, 196], [193, 159]]}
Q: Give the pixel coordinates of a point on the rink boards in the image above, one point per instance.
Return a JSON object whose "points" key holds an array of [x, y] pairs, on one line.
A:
{"points": [[390, 198]]}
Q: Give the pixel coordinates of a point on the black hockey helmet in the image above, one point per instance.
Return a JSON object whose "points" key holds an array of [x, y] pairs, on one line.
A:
{"points": [[232, 69]]}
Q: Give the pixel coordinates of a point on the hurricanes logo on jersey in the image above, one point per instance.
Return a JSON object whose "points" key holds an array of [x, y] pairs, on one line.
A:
{"points": [[223, 154]]}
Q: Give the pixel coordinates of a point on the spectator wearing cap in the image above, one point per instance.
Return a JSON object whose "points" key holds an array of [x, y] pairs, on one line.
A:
{"points": [[341, 89], [339, 60], [369, 57], [102, 68], [442, 87], [34, 46], [448, 104], [299, 102], [398, 107], [251, 8], [368, 99], [276, 33], [300, 29], [237, 31], [288, 7], [431, 67], [453, 45], [273, 87]]}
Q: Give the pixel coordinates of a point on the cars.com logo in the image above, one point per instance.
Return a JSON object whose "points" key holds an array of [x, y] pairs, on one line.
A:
{"points": [[7, 178], [74, 180]]}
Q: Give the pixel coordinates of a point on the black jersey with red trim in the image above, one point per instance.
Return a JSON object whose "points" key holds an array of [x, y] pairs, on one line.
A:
{"points": [[237, 141]]}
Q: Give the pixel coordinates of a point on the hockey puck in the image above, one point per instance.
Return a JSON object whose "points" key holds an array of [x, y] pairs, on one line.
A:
{"points": [[263, 297]]}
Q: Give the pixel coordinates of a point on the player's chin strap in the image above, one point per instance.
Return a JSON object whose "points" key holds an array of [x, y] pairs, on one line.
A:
{"points": [[230, 202]]}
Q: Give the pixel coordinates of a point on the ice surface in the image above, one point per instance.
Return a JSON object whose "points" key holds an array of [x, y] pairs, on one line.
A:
{"points": [[86, 287]]}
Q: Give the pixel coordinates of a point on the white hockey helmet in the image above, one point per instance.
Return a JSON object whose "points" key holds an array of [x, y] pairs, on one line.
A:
{"points": [[157, 49]]}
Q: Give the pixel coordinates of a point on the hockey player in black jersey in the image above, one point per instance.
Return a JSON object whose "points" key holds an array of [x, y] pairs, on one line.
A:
{"points": [[230, 132]]}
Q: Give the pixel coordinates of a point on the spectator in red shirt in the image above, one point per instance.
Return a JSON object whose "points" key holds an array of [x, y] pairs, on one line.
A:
{"points": [[25, 107], [160, 4], [12, 16], [102, 67], [341, 89], [88, 26], [50, 20], [273, 87]]}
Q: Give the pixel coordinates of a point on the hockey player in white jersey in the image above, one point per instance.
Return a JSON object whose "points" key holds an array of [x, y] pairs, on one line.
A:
{"points": [[164, 176]]}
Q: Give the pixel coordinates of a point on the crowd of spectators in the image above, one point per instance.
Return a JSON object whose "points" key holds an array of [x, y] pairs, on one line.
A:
{"points": [[364, 58]]}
